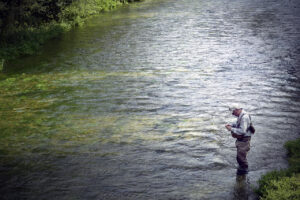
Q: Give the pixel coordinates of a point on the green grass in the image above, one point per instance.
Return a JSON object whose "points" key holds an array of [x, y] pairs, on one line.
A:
{"points": [[283, 184]]}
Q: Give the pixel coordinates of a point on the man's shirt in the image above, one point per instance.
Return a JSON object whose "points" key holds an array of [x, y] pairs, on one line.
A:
{"points": [[242, 124]]}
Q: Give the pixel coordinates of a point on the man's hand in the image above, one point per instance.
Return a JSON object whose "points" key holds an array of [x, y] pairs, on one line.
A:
{"points": [[228, 127]]}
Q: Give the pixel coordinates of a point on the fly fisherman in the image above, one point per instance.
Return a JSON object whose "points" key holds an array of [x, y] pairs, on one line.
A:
{"points": [[240, 131]]}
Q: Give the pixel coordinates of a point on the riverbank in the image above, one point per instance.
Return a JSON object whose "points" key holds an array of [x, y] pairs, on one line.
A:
{"points": [[26, 27], [284, 184]]}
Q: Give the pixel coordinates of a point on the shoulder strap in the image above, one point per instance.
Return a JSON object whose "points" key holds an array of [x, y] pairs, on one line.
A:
{"points": [[239, 120]]}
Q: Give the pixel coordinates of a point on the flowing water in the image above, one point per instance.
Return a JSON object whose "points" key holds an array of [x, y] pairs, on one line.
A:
{"points": [[133, 104]]}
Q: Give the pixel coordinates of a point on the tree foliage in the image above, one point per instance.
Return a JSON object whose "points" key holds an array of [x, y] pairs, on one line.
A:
{"points": [[20, 14], [26, 24]]}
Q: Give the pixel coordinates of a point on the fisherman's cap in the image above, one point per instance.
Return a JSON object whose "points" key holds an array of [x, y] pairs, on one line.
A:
{"points": [[234, 106]]}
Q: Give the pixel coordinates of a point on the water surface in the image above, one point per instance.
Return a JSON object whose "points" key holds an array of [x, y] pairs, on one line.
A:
{"points": [[133, 104]]}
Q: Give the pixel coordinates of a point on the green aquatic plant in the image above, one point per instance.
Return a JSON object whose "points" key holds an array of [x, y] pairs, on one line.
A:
{"points": [[44, 114], [22, 108], [33, 125]]}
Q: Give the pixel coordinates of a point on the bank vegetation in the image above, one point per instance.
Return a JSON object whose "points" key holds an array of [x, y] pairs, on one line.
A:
{"points": [[26, 24], [283, 184]]}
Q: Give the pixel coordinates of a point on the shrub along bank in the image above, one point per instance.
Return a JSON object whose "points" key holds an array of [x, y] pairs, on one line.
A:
{"points": [[26, 24], [284, 184]]}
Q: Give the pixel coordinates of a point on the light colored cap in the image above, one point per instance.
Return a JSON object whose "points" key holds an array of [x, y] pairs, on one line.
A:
{"points": [[234, 106]]}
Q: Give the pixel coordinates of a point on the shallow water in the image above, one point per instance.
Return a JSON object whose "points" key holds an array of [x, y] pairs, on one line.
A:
{"points": [[133, 104]]}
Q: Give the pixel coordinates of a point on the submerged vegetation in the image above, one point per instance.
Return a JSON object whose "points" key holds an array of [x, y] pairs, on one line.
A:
{"points": [[284, 184], [45, 114], [26, 24]]}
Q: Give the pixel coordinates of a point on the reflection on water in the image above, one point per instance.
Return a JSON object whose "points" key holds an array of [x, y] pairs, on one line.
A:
{"points": [[133, 104], [241, 188]]}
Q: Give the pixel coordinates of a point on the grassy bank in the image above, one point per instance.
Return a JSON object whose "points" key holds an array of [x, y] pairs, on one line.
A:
{"points": [[284, 184], [26, 25]]}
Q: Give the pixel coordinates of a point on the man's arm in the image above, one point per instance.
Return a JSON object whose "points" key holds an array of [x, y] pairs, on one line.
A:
{"points": [[242, 130]]}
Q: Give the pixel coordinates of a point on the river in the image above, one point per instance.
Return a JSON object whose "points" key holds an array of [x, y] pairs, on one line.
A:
{"points": [[132, 105]]}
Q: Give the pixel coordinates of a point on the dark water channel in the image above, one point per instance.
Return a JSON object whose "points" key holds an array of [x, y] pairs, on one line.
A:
{"points": [[133, 104]]}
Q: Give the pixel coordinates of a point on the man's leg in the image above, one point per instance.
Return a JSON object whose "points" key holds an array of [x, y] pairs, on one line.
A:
{"points": [[242, 150]]}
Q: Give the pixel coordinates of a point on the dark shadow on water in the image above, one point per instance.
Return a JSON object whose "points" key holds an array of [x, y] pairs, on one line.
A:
{"points": [[241, 188]]}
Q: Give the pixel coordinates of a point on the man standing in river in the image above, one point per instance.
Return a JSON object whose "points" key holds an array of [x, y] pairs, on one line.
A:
{"points": [[240, 131]]}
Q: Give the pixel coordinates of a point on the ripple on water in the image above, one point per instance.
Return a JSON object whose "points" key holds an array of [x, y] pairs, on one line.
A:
{"points": [[133, 105]]}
